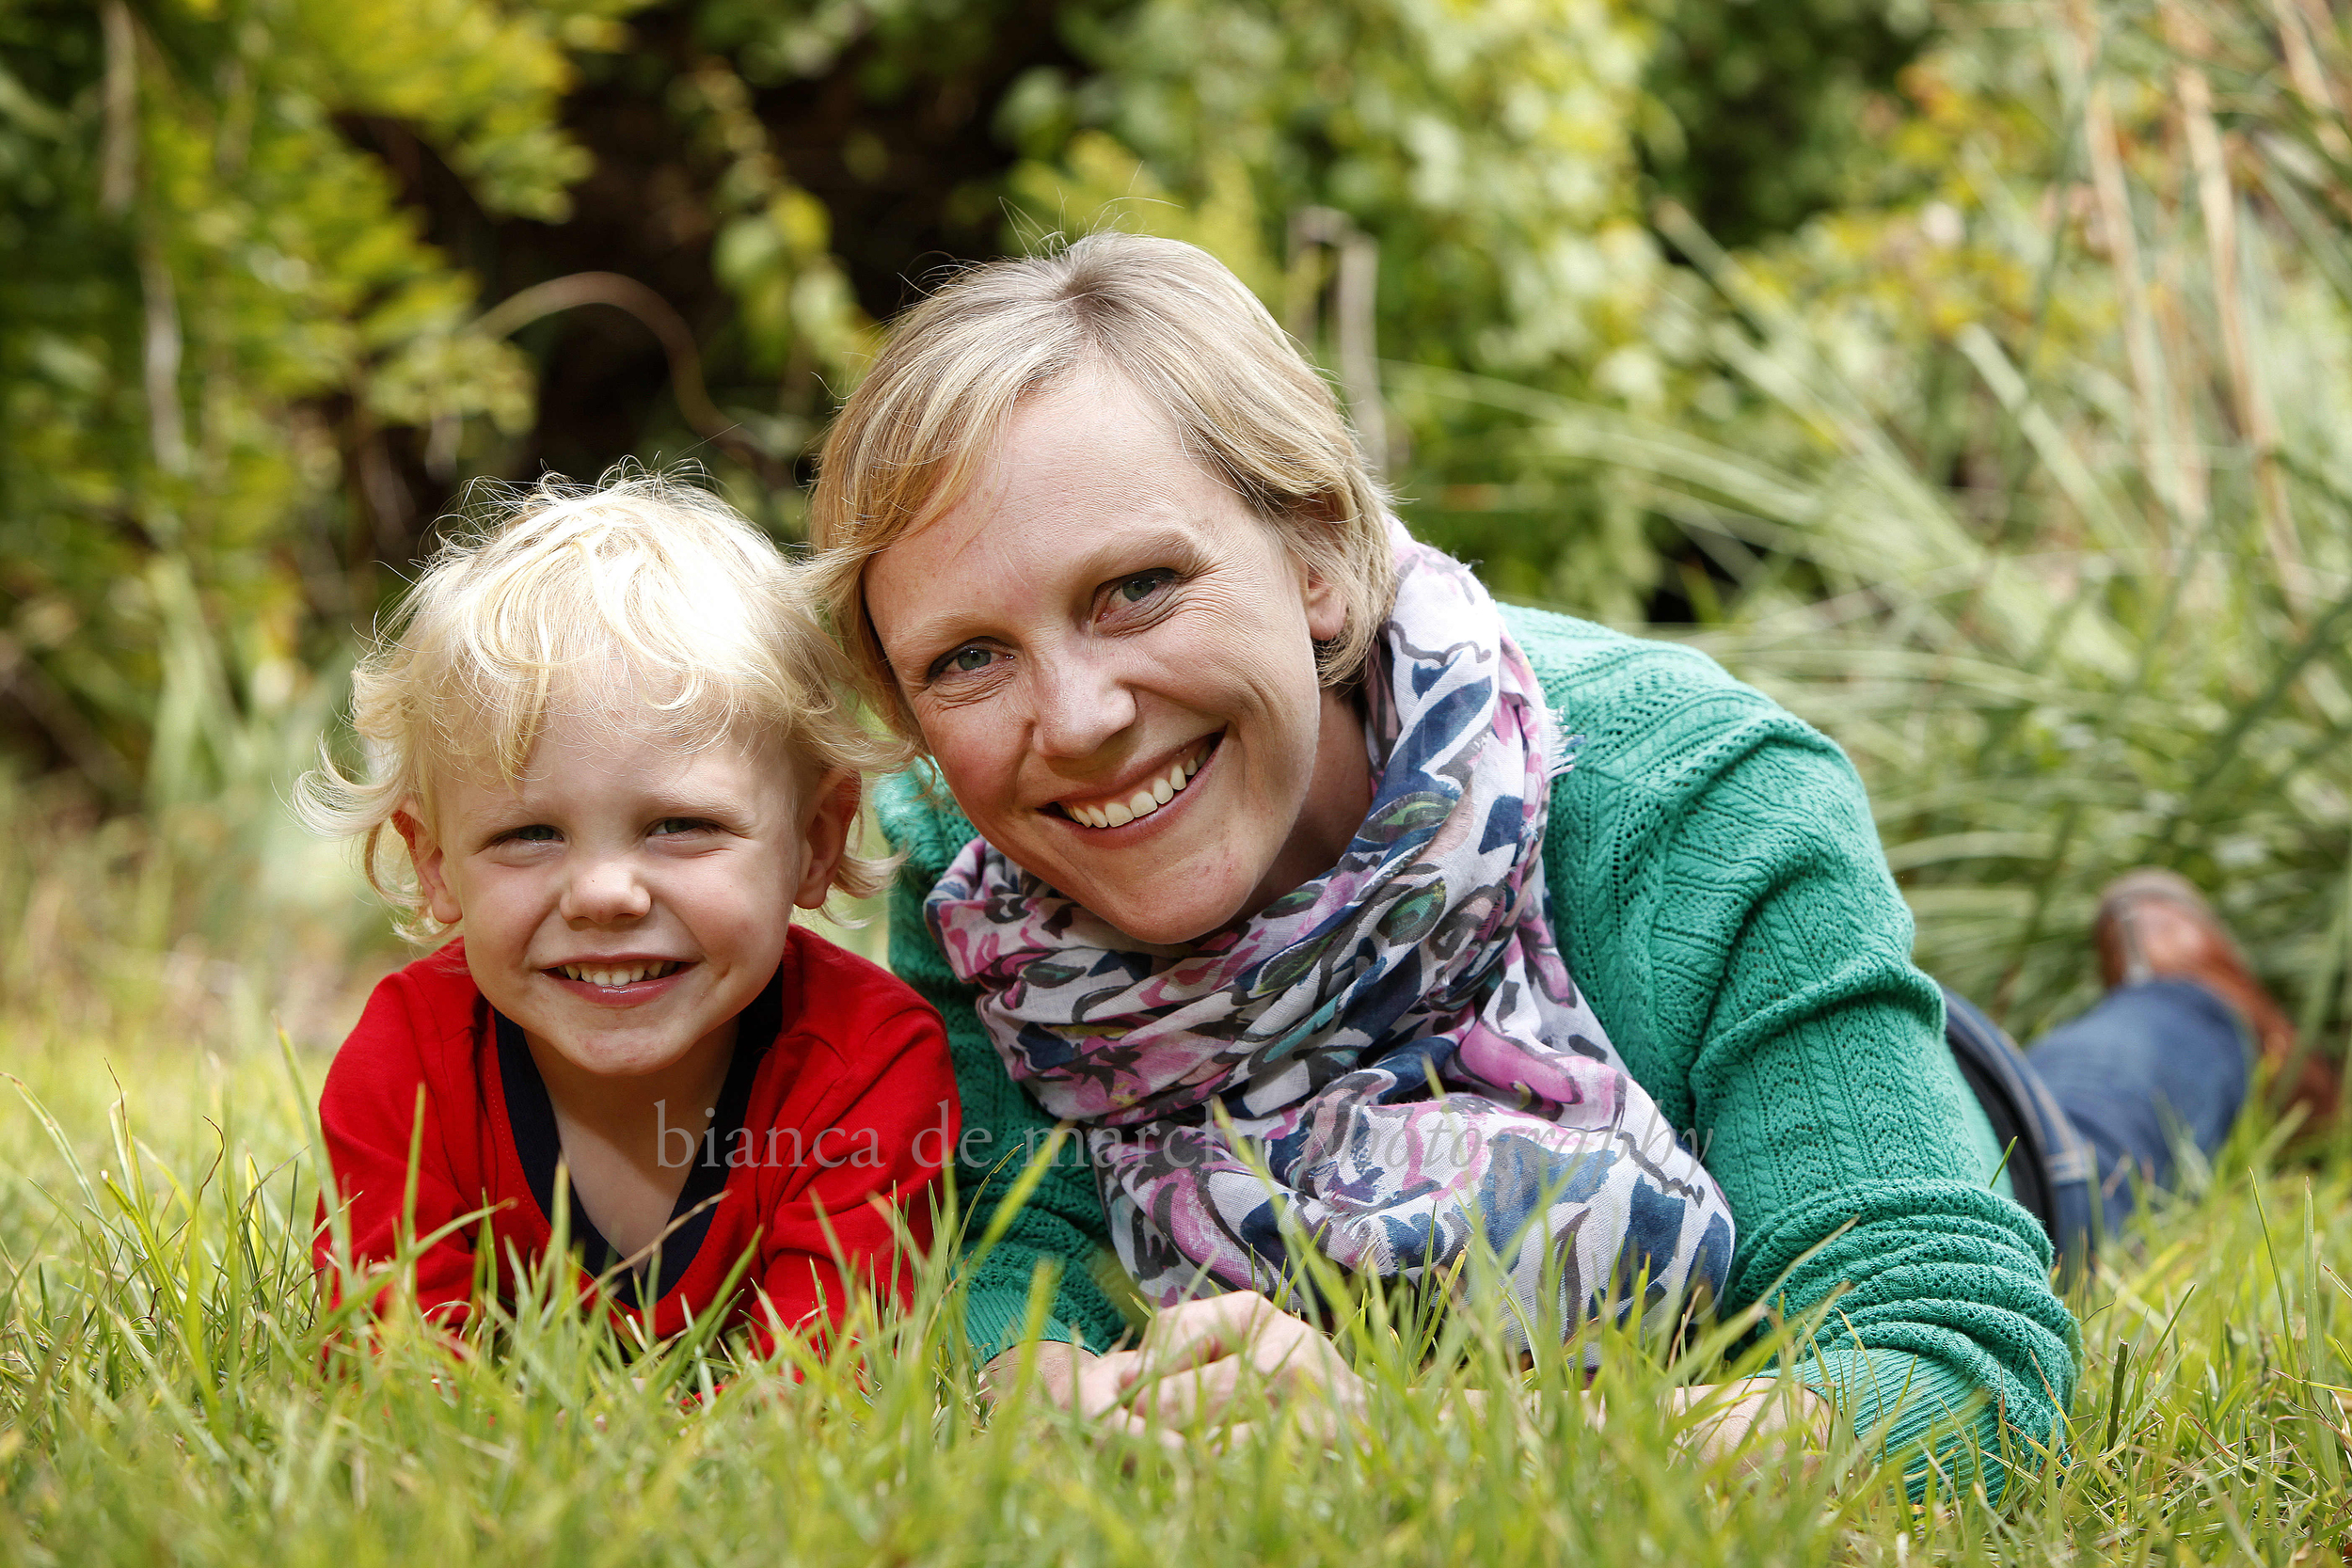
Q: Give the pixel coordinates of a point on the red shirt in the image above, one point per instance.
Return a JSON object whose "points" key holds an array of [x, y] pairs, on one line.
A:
{"points": [[852, 1098]]}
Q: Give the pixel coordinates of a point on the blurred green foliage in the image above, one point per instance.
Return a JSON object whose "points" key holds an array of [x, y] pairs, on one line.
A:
{"points": [[2029, 355], [210, 292], [286, 274], [2031, 480], [1761, 115]]}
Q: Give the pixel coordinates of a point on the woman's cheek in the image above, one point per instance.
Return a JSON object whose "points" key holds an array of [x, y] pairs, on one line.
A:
{"points": [[975, 770]]}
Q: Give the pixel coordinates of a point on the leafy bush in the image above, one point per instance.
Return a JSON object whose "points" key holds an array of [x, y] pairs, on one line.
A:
{"points": [[211, 297], [2031, 488]]}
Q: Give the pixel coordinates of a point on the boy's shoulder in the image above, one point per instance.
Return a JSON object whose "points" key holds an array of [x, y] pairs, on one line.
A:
{"points": [[844, 998], [423, 1010], [855, 1039]]}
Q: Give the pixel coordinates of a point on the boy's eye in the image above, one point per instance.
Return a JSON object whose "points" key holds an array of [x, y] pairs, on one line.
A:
{"points": [[538, 833], [670, 825]]}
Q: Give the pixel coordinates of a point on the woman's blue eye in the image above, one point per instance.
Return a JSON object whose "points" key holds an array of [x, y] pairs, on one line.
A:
{"points": [[1136, 590], [963, 661]]}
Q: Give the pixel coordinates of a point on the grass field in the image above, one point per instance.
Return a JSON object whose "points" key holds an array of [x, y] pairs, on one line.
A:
{"points": [[164, 1396]]}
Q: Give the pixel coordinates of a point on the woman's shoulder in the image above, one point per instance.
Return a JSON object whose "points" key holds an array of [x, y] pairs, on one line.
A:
{"points": [[1642, 710], [922, 822]]}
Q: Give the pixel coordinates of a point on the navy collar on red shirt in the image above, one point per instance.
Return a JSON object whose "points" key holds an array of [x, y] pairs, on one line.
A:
{"points": [[531, 1118]]}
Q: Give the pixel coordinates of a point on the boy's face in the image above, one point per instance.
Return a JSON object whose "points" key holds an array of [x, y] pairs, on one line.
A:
{"points": [[626, 900]]}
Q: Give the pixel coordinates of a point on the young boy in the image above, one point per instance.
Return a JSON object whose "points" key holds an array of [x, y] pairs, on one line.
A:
{"points": [[609, 737]]}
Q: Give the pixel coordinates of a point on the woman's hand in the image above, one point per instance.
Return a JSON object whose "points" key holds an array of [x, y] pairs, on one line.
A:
{"points": [[1199, 1357], [1196, 1357], [1195, 1360], [1758, 1424], [1071, 1376]]}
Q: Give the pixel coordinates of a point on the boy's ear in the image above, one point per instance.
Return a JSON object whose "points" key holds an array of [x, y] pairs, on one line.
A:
{"points": [[425, 853], [825, 835]]}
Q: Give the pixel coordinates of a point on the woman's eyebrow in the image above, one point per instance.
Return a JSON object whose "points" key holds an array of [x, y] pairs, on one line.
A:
{"points": [[1122, 550], [934, 635], [1153, 545], [1133, 549]]}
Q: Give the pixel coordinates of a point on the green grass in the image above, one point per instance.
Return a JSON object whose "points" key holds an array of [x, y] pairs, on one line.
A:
{"points": [[168, 1393]]}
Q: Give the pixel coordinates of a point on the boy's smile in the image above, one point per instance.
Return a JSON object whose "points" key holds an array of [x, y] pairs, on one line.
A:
{"points": [[627, 897]]}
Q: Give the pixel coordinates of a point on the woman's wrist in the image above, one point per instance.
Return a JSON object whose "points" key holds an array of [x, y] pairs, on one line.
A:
{"points": [[1055, 1367], [1756, 1420]]}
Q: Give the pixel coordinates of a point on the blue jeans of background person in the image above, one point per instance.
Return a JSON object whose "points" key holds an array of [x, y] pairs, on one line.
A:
{"points": [[2100, 1104]]}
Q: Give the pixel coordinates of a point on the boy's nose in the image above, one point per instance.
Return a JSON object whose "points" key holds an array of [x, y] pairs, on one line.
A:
{"points": [[605, 890]]}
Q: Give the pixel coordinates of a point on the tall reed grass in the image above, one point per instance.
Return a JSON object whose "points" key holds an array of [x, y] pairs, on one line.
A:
{"points": [[2033, 485]]}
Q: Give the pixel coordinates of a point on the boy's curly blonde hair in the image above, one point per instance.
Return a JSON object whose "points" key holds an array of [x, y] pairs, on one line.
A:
{"points": [[564, 597]]}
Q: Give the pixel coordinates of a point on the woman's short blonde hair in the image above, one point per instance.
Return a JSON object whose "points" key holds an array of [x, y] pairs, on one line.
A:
{"points": [[1177, 326], [643, 599]]}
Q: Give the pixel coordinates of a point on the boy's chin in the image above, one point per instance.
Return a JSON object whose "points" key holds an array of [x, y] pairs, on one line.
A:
{"points": [[608, 1042], [618, 1056]]}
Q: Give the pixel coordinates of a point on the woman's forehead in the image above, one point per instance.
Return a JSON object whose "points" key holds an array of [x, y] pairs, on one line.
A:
{"points": [[1088, 462], [1093, 427]]}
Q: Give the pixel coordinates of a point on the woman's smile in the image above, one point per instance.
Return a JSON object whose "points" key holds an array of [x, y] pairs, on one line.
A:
{"points": [[1099, 633], [1158, 787]]}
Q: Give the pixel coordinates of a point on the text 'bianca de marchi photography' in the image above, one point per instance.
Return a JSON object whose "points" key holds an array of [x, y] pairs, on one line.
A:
{"points": [[681, 1145]]}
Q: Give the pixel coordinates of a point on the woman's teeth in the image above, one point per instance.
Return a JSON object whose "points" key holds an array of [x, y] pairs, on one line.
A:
{"points": [[617, 975], [1144, 801]]}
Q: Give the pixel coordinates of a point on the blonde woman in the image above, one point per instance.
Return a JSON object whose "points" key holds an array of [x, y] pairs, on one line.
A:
{"points": [[1268, 825]]}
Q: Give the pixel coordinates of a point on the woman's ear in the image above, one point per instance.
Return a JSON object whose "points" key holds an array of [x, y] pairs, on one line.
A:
{"points": [[825, 835], [426, 854], [1326, 599], [1326, 608]]}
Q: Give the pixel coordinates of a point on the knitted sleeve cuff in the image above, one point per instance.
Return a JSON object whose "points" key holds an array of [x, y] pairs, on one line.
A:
{"points": [[992, 1325], [996, 1308], [1936, 1420]]}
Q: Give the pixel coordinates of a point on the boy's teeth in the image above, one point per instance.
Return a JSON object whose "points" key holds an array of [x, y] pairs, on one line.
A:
{"points": [[616, 975]]}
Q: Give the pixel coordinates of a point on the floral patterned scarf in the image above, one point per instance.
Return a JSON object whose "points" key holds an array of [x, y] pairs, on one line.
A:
{"points": [[1390, 1062]]}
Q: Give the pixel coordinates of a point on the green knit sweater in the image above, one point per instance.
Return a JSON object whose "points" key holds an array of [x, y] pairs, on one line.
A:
{"points": [[1718, 890]]}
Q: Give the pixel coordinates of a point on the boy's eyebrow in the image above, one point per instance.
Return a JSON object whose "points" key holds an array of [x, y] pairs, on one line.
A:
{"points": [[663, 803], [510, 814]]}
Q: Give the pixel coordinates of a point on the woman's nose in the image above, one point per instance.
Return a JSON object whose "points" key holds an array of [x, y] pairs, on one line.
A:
{"points": [[1081, 704], [606, 890]]}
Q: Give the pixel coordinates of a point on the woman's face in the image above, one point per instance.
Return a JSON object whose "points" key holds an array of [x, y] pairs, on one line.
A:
{"points": [[1112, 659]]}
